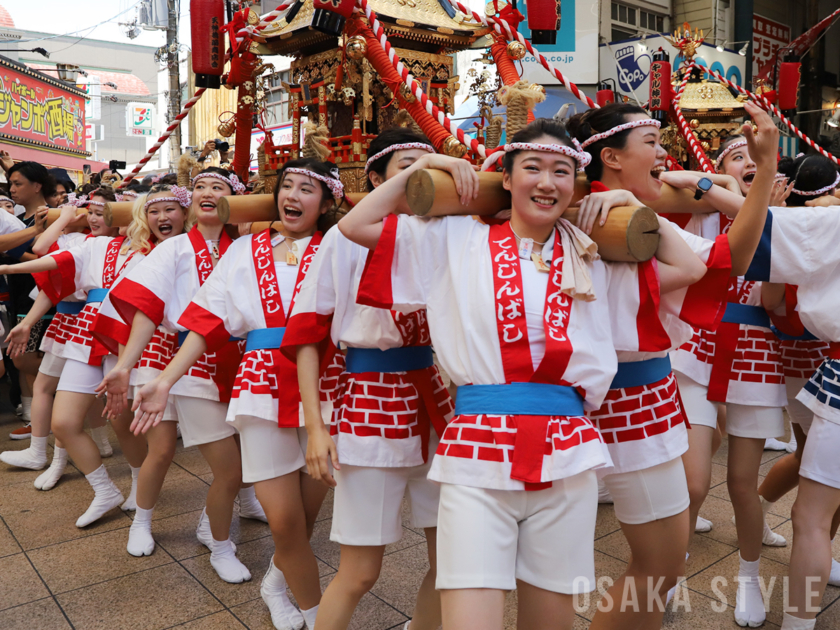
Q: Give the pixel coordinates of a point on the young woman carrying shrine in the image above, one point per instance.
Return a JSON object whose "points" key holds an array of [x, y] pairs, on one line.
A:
{"points": [[642, 419], [740, 365], [392, 399], [52, 345], [800, 248], [95, 266], [250, 295], [520, 422], [155, 295]]}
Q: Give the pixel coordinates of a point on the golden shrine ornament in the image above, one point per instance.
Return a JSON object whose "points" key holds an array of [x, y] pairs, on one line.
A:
{"points": [[516, 50], [356, 48], [453, 148]]}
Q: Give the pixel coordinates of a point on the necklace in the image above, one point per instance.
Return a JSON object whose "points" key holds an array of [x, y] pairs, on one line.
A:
{"points": [[526, 247], [214, 248]]}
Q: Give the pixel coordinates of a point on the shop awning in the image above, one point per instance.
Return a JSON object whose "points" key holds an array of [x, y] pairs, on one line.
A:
{"points": [[52, 160]]}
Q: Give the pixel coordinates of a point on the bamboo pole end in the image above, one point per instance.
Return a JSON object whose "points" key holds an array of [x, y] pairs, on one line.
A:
{"points": [[420, 192], [643, 234]]}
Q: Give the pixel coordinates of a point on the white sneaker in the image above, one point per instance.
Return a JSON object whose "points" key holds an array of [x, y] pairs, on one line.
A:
{"points": [[702, 525], [772, 444], [284, 616]]}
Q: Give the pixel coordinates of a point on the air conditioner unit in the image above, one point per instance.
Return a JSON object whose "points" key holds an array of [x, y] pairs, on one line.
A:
{"points": [[153, 15]]}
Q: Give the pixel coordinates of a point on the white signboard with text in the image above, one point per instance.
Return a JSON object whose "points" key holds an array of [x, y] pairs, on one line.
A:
{"points": [[139, 119]]}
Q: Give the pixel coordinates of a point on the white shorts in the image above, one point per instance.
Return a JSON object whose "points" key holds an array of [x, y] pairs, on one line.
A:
{"points": [[51, 365], [491, 538], [799, 413], [202, 421], [819, 459], [747, 421], [82, 378], [269, 451], [700, 410], [650, 494], [367, 509], [169, 414]]}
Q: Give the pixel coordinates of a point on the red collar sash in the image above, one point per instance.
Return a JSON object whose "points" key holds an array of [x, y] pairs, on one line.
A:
{"points": [[203, 260], [112, 254]]}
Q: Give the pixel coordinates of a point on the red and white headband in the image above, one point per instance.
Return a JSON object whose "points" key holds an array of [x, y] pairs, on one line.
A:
{"points": [[821, 191], [232, 181], [645, 122], [98, 204], [5, 198], [182, 195], [727, 151], [333, 183], [398, 147], [130, 194], [577, 154]]}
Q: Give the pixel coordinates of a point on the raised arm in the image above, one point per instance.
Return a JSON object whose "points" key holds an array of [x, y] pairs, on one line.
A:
{"points": [[116, 382], [363, 224], [50, 235], [724, 196], [745, 232], [16, 239]]}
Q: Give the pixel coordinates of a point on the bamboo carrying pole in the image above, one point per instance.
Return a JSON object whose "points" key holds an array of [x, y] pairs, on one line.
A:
{"points": [[118, 213], [79, 221], [259, 208], [431, 192]]}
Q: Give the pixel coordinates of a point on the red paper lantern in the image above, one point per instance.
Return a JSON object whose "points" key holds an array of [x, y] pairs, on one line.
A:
{"points": [[207, 17], [788, 87], [544, 21], [330, 15], [661, 93]]}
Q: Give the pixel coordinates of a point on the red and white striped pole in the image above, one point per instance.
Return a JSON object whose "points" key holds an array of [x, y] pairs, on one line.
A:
{"points": [[163, 138]]}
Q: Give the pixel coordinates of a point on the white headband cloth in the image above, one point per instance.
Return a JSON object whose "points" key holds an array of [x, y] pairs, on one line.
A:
{"points": [[179, 194], [5, 198], [581, 157], [333, 183], [645, 122], [96, 203], [233, 181], [821, 191], [727, 151], [398, 147]]}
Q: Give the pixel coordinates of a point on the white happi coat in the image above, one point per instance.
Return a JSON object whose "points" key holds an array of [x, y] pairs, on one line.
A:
{"points": [[445, 265], [645, 425], [799, 246], [94, 264], [379, 419], [62, 325], [739, 363], [161, 288]]}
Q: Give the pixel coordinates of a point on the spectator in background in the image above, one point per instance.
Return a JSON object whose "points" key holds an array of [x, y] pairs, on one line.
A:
{"points": [[63, 187], [30, 185]]}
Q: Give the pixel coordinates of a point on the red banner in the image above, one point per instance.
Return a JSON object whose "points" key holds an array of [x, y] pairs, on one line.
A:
{"points": [[799, 47], [38, 112]]}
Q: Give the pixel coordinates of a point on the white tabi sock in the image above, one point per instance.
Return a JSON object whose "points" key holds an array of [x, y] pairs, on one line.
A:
{"points": [[227, 565], [769, 537], [26, 403], [107, 497], [284, 616], [33, 458], [309, 617], [100, 436], [789, 622], [702, 525], [749, 604], [47, 479], [834, 576], [249, 507], [140, 541], [131, 502]]}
